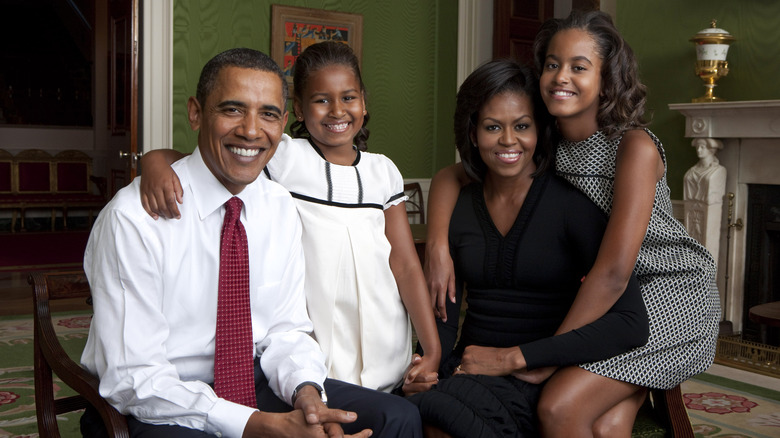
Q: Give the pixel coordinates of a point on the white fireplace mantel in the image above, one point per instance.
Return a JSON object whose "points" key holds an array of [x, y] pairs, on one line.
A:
{"points": [[745, 119], [750, 132]]}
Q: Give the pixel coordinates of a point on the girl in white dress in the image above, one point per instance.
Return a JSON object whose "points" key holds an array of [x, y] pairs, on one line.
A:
{"points": [[362, 270]]}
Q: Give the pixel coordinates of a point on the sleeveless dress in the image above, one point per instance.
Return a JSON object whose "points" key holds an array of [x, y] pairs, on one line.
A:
{"points": [[351, 294], [675, 272]]}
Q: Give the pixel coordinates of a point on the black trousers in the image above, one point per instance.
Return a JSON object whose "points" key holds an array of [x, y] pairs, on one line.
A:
{"points": [[387, 415]]}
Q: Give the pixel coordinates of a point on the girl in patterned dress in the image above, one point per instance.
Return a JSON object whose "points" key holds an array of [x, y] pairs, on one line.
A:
{"points": [[589, 83], [363, 276]]}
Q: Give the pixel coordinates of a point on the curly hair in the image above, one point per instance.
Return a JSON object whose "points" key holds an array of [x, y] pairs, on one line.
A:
{"points": [[491, 79], [315, 57], [623, 96]]}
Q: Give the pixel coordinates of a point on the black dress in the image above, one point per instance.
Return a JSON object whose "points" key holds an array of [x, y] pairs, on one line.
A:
{"points": [[520, 287]]}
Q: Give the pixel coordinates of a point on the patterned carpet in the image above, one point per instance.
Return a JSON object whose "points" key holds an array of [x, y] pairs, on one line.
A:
{"points": [[724, 408], [718, 407], [17, 389]]}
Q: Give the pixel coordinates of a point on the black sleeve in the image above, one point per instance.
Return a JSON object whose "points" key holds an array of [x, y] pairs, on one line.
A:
{"points": [[623, 327]]}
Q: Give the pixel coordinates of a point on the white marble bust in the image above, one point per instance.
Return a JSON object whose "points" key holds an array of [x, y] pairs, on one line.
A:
{"points": [[704, 189]]}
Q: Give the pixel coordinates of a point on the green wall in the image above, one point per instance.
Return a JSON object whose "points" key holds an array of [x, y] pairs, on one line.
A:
{"points": [[659, 31], [408, 65]]}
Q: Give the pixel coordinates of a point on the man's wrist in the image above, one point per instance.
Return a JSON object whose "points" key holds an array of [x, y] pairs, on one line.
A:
{"points": [[315, 385]]}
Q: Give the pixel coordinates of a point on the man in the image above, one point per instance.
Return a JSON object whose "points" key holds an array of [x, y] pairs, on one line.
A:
{"points": [[158, 335]]}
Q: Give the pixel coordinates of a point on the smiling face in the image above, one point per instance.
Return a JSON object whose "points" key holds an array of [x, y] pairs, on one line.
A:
{"points": [[506, 135], [571, 78], [332, 105], [239, 125]]}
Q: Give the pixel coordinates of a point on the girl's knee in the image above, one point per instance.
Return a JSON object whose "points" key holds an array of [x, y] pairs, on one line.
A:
{"points": [[555, 410], [612, 427]]}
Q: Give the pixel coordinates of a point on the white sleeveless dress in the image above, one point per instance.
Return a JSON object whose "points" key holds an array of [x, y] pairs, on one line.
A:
{"points": [[353, 300]]}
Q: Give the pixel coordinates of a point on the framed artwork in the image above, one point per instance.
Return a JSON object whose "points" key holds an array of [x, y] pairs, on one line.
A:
{"points": [[293, 29]]}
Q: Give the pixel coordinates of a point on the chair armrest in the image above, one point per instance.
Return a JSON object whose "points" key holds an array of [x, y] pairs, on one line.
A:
{"points": [[73, 375], [678, 415], [670, 406], [50, 354]]}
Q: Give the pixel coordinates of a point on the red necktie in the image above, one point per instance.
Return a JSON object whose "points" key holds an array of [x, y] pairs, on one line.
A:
{"points": [[233, 359]]}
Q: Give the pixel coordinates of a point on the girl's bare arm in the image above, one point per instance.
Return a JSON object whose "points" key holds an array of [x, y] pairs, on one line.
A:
{"points": [[408, 274], [638, 168], [161, 191]]}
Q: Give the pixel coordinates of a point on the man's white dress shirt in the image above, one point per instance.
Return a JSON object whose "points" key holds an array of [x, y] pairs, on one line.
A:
{"points": [[155, 285]]}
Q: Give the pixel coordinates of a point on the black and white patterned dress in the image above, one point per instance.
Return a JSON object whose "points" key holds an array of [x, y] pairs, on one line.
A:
{"points": [[676, 274]]}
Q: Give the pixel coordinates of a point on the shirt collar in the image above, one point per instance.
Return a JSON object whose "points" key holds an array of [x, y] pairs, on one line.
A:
{"points": [[208, 193]]}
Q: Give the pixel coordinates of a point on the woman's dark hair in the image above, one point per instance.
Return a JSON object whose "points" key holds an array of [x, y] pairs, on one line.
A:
{"points": [[239, 57], [491, 79], [623, 96], [314, 58]]}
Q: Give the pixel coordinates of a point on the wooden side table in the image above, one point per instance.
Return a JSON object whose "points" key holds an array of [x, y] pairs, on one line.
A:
{"points": [[768, 315]]}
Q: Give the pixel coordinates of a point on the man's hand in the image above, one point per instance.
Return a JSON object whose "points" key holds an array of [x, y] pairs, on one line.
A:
{"points": [[309, 401], [293, 425], [420, 376]]}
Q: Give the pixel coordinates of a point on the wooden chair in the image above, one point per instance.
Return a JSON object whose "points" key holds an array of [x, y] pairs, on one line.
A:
{"points": [[50, 358], [415, 205]]}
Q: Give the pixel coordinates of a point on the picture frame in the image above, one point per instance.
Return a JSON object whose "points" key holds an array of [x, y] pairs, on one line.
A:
{"points": [[295, 28]]}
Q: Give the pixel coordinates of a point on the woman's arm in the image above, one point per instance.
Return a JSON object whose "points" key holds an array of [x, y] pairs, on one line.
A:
{"points": [[624, 326], [638, 168], [408, 274], [160, 187], [439, 271]]}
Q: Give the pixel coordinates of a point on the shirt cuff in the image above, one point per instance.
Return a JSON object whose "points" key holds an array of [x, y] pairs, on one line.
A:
{"points": [[227, 419]]}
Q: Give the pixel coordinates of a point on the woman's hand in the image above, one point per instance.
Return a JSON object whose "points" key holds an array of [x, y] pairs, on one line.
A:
{"points": [[440, 276], [491, 361], [421, 375]]}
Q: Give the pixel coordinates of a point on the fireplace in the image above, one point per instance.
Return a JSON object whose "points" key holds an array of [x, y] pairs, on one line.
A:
{"points": [[762, 260], [748, 274]]}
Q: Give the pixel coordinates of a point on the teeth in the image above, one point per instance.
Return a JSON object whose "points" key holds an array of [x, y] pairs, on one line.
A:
{"points": [[244, 152], [339, 127], [509, 155], [562, 93]]}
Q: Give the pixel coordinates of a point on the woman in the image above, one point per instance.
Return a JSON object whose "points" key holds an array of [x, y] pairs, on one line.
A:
{"points": [[521, 240]]}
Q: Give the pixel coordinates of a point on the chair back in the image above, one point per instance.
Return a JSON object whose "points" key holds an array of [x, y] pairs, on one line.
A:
{"points": [[50, 358], [6, 177], [415, 207], [33, 171]]}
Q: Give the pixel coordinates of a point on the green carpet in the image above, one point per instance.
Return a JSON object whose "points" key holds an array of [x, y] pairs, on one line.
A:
{"points": [[17, 388], [724, 408], [718, 407]]}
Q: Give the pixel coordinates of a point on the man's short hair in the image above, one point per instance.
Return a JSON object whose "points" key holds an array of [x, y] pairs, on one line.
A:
{"points": [[239, 57]]}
